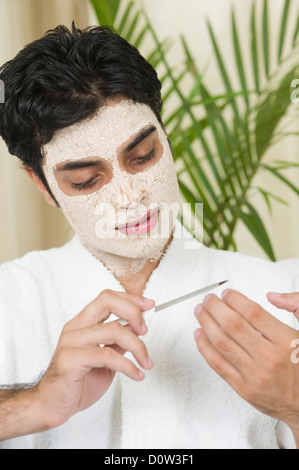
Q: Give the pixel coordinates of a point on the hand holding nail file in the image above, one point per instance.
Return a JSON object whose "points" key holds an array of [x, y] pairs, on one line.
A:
{"points": [[178, 300]]}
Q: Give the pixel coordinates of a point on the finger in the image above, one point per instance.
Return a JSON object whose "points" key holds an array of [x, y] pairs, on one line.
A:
{"points": [[83, 360], [118, 348], [123, 305], [216, 361], [108, 334], [222, 342], [288, 302], [271, 328], [234, 325]]}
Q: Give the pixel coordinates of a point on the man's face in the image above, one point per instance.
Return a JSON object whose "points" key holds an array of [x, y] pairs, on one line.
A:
{"points": [[111, 170]]}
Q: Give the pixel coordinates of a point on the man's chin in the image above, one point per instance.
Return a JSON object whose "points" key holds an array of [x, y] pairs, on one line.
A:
{"points": [[137, 247]]}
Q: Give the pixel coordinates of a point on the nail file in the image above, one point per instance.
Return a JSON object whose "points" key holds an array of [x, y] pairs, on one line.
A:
{"points": [[177, 300]]}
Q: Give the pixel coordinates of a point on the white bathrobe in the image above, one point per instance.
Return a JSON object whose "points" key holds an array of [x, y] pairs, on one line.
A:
{"points": [[182, 402]]}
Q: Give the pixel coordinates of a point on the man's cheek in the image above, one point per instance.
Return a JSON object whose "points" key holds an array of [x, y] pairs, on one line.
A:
{"points": [[103, 229], [168, 215]]}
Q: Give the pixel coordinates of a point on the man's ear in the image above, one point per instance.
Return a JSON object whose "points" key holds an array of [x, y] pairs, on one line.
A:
{"points": [[36, 180]]}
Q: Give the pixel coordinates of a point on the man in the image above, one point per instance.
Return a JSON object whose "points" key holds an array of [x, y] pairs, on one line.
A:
{"points": [[82, 112]]}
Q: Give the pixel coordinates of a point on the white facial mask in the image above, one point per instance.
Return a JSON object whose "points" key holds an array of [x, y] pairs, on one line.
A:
{"points": [[126, 196]]}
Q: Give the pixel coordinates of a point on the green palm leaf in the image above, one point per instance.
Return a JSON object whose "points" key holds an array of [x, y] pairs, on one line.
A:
{"points": [[106, 11], [250, 132], [254, 223]]}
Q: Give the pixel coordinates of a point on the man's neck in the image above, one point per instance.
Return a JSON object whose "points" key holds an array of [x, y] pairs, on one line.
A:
{"points": [[135, 283], [132, 274]]}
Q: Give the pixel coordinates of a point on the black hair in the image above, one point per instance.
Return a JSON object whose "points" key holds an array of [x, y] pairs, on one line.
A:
{"points": [[63, 78]]}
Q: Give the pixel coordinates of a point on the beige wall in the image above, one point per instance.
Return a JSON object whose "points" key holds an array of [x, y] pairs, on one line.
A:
{"points": [[27, 222]]}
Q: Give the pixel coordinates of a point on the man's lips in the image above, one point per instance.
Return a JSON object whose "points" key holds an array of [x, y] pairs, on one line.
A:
{"points": [[144, 224], [137, 221]]}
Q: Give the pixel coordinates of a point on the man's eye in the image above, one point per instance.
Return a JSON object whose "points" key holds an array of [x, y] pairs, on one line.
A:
{"points": [[84, 185], [144, 158]]}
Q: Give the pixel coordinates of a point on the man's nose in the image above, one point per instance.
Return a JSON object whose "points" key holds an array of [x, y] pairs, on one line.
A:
{"points": [[128, 195]]}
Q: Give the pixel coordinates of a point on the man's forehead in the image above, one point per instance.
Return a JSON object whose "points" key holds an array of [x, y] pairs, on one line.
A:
{"points": [[102, 134]]}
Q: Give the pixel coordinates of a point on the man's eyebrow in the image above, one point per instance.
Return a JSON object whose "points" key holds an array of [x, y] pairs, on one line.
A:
{"points": [[143, 134], [76, 165]]}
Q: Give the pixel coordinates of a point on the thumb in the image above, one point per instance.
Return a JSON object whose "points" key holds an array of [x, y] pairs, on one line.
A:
{"points": [[288, 302]]}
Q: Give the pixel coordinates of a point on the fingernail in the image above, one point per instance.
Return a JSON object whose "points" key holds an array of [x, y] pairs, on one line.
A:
{"points": [[143, 328], [275, 295], [207, 297], [197, 333], [149, 362], [224, 293], [198, 309], [141, 374], [147, 301]]}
